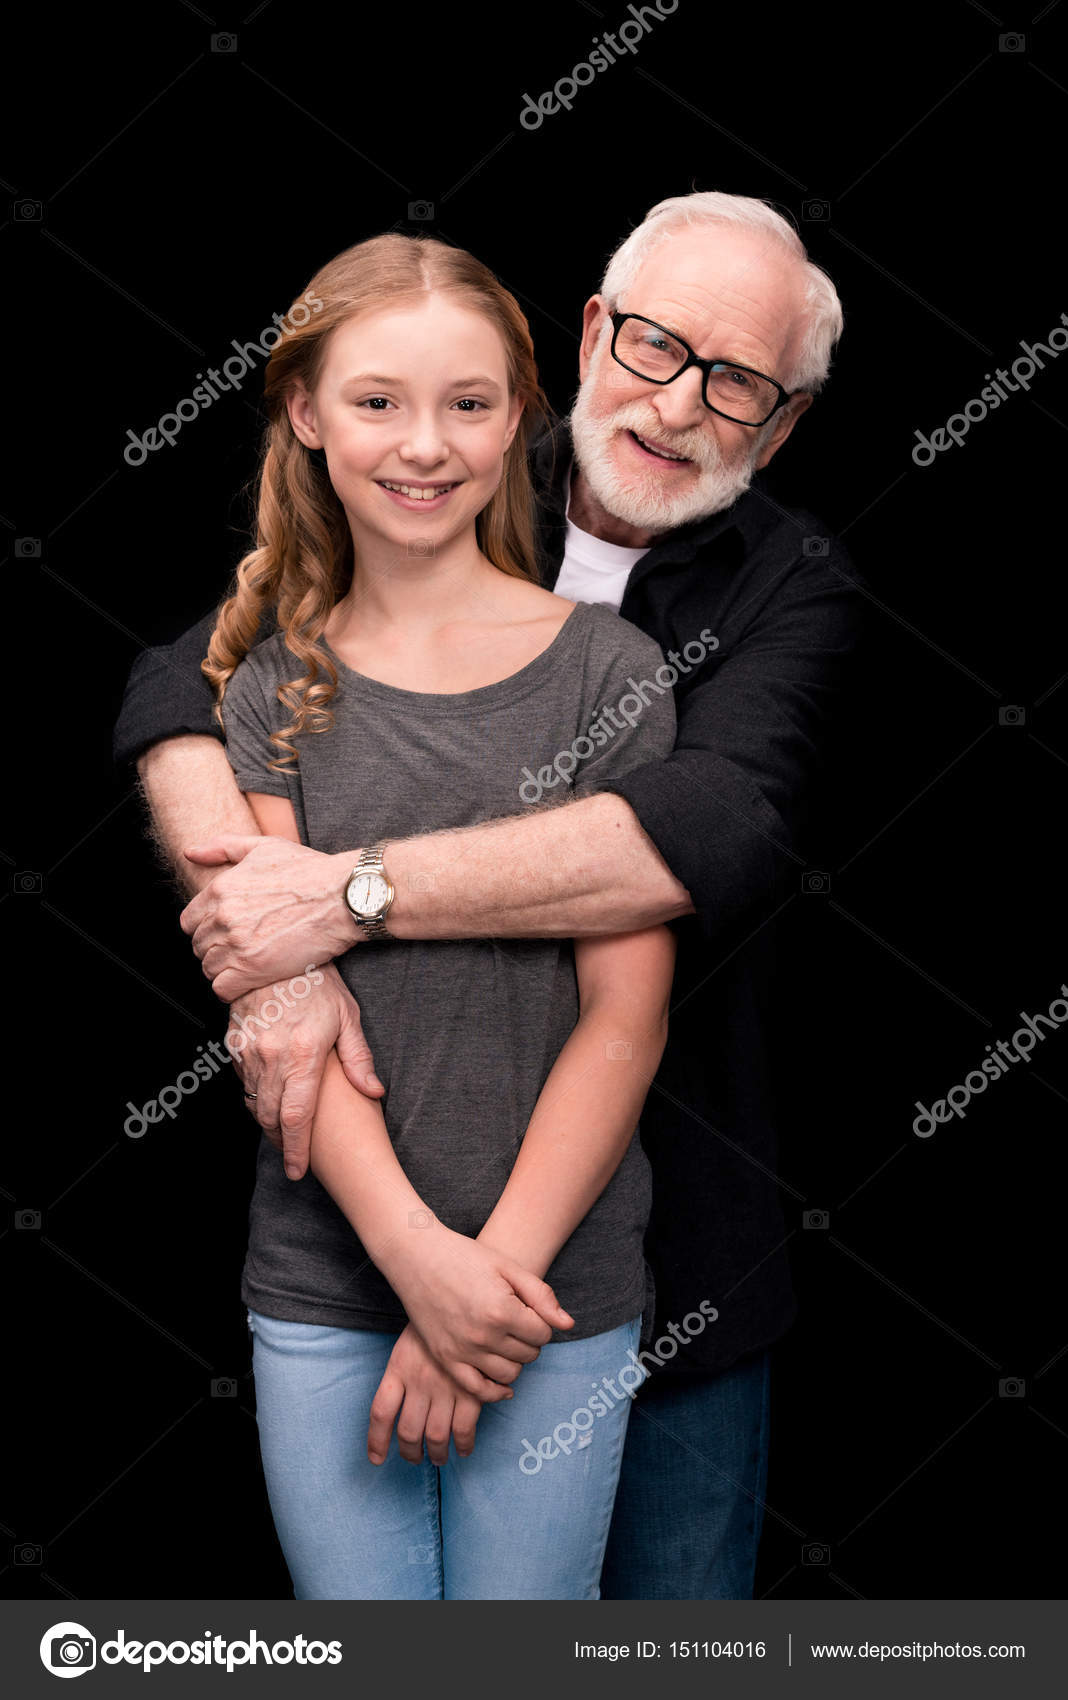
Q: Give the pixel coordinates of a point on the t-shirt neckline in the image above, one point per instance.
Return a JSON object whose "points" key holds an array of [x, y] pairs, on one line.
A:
{"points": [[501, 690]]}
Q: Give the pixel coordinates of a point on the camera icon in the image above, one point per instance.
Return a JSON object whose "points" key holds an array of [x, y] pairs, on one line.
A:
{"points": [[1012, 43], [28, 1221], [420, 882], [28, 548], [224, 1387], [70, 1652], [815, 1219], [224, 43], [816, 547], [67, 1649], [27, 212], [27, 883], [420, 1218], [815, 1552], [816, 211], [1012, 715], [420, 1555], [619, 1050], [816, 882], [421, 547], [1011, 1387], [27, 1553], [420, 212]]}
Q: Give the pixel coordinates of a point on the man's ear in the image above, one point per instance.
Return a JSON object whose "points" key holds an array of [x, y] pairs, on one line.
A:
{"points": [[788, 417], [301, 410], [593, 317]]}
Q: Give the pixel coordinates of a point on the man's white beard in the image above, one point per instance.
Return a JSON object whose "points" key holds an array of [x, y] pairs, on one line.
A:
{"points": [[643, 498]]}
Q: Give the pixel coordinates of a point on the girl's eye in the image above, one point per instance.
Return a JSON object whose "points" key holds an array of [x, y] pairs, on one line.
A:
{"points": [[379, 403]]}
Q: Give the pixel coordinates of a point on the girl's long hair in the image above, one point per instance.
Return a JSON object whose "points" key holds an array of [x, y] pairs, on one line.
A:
{"points": [[304, 559]]}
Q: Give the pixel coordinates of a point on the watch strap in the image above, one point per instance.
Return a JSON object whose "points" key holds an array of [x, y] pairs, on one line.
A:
{"points": [[369, 861]]}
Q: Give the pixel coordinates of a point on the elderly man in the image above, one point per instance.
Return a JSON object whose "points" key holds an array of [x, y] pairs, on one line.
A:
{"points": [[709, 337]]}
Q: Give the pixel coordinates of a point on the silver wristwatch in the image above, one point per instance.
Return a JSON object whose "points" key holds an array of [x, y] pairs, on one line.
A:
{"points": [[369, 893]]}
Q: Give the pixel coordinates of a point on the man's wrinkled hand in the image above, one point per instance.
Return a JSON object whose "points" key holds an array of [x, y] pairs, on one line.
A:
{"points": [[273, 907], [280, 1037]]}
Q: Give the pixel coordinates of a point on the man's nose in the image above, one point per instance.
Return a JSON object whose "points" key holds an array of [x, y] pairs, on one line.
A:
{"points": [[679, 404]]}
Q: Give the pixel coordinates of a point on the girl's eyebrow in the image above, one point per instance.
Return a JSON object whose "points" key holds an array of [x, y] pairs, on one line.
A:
{"points": [[456, 383]]}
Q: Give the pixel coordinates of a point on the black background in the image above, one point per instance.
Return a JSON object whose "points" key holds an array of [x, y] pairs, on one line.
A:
{"points": [[186, 195]]}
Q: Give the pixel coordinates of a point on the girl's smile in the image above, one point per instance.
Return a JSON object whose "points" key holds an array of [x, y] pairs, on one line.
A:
{"points": [[426, 497]]}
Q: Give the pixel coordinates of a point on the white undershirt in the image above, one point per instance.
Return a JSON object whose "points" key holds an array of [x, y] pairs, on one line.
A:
{"points": [[593, 571]]}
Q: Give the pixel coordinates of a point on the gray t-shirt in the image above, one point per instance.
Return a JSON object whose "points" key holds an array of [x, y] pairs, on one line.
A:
{"points": [[463, 1032]]}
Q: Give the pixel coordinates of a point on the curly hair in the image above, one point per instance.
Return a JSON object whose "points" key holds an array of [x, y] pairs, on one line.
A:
{"points": [[304, 558]]}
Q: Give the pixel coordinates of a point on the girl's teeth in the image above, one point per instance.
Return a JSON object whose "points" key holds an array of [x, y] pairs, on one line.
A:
{"points": [[419, 495]]}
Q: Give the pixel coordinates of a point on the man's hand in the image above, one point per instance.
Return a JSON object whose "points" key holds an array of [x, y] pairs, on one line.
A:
{"points": [[416, 1393], [276, 907], [480, 1314], [280, 1038]]}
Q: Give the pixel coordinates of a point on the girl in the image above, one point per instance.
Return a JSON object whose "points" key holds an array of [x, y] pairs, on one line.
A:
{"points": [[419, 672]]}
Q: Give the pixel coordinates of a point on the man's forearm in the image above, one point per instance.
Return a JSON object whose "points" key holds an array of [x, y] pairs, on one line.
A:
{"points": [[191, 794], [582, 868], [579, 870]]}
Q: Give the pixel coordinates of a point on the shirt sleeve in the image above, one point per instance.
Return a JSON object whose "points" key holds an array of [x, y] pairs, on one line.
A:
{"points": [[725, 807], [633, 720], [249, 717], [167, 694]]}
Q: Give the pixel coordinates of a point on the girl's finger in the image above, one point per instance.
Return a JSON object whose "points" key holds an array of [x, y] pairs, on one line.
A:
{"points": [[384, 1407], [464, 1419], [411, 1425], [439, 1428], [479, 1386]]}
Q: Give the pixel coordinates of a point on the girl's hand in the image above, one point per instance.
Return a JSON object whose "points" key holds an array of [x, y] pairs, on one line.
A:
{"points": [[429, 1404], [481, 1315]]}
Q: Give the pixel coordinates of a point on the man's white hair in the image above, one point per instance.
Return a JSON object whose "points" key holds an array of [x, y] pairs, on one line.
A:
{"points": [[822, 308]]}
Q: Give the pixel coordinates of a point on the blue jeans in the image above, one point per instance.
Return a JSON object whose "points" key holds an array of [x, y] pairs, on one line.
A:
{"points": [[690, 1503], [525, 1517]]}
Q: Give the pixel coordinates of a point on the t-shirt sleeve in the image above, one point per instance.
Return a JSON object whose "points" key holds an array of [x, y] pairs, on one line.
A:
{"points": [[250, 714], [167, 694], [632, 721]]}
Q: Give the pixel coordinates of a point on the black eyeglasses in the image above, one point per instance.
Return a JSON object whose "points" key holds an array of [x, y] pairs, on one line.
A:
{"points": [[645, 348]]}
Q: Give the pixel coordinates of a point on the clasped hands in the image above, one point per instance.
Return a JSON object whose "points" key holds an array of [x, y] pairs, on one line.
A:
{"points": [[476, 1315]]}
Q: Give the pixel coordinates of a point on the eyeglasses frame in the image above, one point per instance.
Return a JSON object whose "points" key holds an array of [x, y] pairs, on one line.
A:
{"points": [[704, 366]]}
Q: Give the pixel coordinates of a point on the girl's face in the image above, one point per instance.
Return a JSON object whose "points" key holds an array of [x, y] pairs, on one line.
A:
{"points": [[413, 411]]}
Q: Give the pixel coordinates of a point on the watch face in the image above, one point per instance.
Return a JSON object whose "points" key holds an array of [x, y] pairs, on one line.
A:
{"points": [[368, 893]]}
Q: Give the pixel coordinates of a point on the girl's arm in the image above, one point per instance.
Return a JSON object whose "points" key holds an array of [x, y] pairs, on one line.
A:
{"points": [[481, 1314], [581, 1126], [591, 1101]]}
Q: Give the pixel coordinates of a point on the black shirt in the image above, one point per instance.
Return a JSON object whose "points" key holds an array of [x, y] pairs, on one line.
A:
{"points": [[727, 812]]}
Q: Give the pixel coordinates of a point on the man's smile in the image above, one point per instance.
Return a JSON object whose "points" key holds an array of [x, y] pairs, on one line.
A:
{"points": [[646, 447]]}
